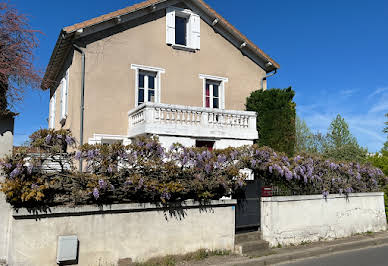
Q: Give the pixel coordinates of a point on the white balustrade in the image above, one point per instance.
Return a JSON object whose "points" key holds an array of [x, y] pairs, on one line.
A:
{"points": [[165, 119]]}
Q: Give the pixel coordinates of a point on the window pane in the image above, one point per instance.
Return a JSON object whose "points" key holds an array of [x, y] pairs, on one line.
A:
{"points": [[151, 82], [141, 96], [180, 30], [151, 96], [215, 90], [141, 81], [207, 90], [215, 103], [207, 102]]}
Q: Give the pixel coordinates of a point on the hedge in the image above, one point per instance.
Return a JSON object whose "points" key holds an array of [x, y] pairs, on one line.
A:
{"points": [[146, 172]]}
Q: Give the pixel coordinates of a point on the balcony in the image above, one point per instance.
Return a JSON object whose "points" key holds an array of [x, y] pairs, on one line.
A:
{"points": [[186, 121]]}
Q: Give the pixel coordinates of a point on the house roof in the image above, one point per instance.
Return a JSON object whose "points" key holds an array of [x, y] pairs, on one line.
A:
{"points": [[63, 43]]}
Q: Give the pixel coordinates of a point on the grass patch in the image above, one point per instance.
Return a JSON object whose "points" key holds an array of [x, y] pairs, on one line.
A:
{"points": [[174, 260]]}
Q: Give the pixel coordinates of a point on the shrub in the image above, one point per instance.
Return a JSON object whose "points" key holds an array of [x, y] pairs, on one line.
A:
{"points": [[275, 118]]}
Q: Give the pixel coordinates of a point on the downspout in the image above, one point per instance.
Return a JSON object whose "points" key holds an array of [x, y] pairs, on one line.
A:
{"points": [[82, 107], [267, 76]]}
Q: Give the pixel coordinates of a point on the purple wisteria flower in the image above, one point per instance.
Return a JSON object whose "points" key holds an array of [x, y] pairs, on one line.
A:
{"points": [[166, 196], [48, 139], [69, 140], [34, 186], [358, 176], [6, 165], [141, 183], [110, 169], [78, 155], [288, 175], [221, 158], [15, 172], [96, 193], [102, 184], [208, 168], [325, 194]]}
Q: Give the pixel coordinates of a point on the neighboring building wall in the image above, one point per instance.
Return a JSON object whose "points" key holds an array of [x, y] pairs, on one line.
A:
{"points": [[297, 219], [5, 214], [135, 231], [6, 145], [110, 81], [6, 135]]}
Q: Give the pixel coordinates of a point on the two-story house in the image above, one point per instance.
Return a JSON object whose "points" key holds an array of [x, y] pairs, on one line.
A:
{"points": [[171, 68]]}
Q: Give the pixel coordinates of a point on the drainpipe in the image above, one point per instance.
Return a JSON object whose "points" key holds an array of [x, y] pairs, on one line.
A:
{"points": [[265, 79], [82, 107]]}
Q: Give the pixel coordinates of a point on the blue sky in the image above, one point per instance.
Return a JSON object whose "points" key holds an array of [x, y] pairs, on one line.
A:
{"points": [[333, 53]]}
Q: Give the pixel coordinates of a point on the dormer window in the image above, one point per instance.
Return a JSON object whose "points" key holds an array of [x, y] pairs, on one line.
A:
{"points": [[183, 29]]}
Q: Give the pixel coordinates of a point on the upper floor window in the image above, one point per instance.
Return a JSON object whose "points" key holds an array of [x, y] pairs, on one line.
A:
{"points": [[148, 84], [183, 28], [213, 91]]}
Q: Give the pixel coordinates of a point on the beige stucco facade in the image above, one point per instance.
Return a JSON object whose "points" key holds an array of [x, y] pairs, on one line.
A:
{"points": [[110, 81]]}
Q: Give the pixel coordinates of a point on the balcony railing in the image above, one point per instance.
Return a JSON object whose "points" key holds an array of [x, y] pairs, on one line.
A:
{"points": [[179, 120]]}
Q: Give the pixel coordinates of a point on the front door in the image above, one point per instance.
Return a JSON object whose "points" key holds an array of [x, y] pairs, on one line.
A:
{"points": [[248, 208]]}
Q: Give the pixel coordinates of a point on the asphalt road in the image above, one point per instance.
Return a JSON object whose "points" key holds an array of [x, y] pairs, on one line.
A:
{"points": [[376, 256]]}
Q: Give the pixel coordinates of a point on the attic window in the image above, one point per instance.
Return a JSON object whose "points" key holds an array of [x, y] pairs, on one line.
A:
{"points": [[183, 29]]}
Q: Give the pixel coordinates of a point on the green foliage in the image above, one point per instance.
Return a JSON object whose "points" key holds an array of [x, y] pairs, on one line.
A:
{"points": [[339, 134], [304, 138], [341, 145], [380, 160], [275, 118], [338, 144], [386, 123]]}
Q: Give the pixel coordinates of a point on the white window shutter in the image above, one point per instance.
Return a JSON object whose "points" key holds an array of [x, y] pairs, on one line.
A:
{"points": [[62, 99], [52, 111], [195, 21], [67, 92], [170, 26]]}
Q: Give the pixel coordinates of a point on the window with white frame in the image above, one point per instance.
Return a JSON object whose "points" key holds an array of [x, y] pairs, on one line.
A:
{"points": [[147, 84], [64, 96], [52, 110], [213, 91], [183, 28]]}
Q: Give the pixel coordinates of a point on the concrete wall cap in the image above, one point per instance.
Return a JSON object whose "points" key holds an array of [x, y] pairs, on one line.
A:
{"points": [[24, 213], [320, 197]]}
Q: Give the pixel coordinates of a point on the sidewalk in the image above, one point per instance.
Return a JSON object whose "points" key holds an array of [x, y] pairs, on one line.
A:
{"points": [[280, 255]]}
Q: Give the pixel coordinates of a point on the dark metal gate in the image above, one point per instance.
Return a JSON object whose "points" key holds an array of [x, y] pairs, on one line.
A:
{"points": [[248, 208]]}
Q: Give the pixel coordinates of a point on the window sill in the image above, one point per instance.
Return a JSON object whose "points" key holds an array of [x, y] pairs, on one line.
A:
{"points": [[183, 48]]}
